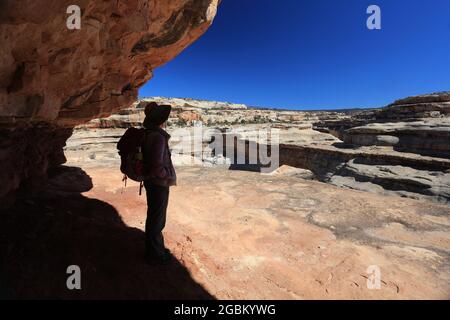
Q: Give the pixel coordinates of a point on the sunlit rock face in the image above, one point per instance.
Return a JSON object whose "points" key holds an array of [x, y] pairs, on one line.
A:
{"points": [[53, 78]]}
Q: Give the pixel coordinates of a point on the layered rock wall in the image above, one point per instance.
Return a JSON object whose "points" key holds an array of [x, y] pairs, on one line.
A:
{"points": [[419, 124], [426, 137]]}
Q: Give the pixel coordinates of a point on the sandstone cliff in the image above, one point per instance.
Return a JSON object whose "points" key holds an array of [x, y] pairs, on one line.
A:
{"points": [[186, 111], [53, 78]]}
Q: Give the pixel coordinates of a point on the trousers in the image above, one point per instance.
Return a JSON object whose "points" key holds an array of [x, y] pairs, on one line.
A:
{"points": [[157, 201]]}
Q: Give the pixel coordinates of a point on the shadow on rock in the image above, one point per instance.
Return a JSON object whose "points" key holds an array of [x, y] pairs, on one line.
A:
{"points": [[246, 167], [42, 235], [343, 145]]}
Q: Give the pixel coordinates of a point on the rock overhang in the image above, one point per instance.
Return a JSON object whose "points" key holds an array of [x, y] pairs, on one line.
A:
{"points": [[53, 78], [51, 73]]}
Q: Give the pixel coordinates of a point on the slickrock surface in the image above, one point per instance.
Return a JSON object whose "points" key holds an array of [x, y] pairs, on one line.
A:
{"points": [[394, 180], [235, 235], [375, 169], [251, 236], [53, 78]]}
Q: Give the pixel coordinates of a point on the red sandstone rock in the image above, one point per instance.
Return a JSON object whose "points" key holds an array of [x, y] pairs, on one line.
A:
{"points": [[51, 73], [53, 78]]}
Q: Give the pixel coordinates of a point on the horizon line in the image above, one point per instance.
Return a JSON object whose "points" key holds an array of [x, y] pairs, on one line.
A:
{"points": [[310, 109]]}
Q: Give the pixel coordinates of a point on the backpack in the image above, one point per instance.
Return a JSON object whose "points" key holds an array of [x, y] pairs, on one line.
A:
{"points": [[131, 155]]}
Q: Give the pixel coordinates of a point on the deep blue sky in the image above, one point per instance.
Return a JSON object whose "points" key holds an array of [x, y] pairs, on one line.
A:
{"points": [[311, 54]]}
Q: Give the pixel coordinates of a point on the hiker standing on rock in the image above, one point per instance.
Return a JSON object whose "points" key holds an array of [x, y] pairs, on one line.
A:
{"points": [[161, 175]]}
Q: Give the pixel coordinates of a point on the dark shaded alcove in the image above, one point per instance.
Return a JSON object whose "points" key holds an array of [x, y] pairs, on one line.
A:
{"points": [[44, 233]]}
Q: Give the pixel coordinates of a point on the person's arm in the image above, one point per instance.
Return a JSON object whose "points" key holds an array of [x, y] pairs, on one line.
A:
{"points": [[156, 157]]}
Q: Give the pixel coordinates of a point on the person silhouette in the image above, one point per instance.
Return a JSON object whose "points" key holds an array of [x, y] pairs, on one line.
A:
{"points": [[160, 176]]}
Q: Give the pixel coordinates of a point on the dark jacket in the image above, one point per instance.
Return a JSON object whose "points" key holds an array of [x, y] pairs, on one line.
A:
{"points": [[157, 158]]}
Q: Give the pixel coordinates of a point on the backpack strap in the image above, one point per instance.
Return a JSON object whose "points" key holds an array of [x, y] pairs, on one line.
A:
{"points": [[140, 187]]}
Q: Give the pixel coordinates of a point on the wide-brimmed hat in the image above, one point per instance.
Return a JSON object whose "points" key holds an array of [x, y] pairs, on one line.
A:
{"points": [[157, 114]]}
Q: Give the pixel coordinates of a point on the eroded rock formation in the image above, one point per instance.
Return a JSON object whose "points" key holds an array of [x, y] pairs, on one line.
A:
{"points": [[427, 137], [53, 78], [374, 150], [434, 105], [419, 124], [401, 149]]}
